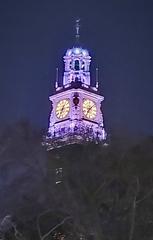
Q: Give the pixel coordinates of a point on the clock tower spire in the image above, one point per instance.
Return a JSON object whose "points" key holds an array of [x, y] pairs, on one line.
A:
{"points": [[76, 107], [77, 27]]}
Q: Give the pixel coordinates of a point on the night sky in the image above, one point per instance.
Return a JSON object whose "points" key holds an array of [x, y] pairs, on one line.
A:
{"points": [[34, 36]]}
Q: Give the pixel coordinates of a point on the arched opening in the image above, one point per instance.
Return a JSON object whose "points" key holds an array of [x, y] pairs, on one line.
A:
{"points": [[77, 65], [71, 65], [83, 66]]}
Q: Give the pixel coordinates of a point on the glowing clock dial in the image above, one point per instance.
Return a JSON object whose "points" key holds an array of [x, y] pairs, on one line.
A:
{"points": [[62, 108], [89, 109]]}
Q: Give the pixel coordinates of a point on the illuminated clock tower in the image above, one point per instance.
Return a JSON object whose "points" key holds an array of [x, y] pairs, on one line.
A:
{"points": [[76, 107]]}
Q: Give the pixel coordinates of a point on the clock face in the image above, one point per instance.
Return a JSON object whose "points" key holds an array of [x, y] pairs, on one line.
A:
{"points": [[89, 108], [62, 108]]}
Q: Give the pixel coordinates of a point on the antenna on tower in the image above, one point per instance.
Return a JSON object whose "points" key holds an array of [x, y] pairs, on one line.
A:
{"points": [[77, 28], [56, 83], [97, 71]]}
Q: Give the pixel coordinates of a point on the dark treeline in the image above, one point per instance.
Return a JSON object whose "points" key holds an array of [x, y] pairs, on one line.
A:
{"points": [[77, 192]]}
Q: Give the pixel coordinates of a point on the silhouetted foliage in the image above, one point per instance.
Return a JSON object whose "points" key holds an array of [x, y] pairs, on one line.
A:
{"points": [[75, 192]]}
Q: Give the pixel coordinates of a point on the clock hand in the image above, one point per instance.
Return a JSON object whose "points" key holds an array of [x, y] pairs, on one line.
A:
{"points": [[90, 108], [62, 110]]}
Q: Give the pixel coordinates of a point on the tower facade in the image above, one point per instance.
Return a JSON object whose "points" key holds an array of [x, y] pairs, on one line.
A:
{"points": [[76, 107]]}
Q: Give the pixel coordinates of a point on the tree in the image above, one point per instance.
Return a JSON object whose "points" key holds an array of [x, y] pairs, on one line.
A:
{"points": [[83, 191]]}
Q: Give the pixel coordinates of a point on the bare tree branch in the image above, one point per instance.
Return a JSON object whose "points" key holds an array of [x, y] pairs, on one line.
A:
{"points": [[99, 188], [18, 235], [8, 223], [134, 210], [145, 197], [38, 218], [58, 225], [132, 219]]}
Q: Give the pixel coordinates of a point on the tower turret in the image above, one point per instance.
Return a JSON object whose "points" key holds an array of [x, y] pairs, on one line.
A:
{"points": [[76, 111], [77, 64]]}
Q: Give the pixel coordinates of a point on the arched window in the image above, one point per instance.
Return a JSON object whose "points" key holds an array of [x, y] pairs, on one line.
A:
{"points": [[77, 65], [71, 65], [83, 65]]}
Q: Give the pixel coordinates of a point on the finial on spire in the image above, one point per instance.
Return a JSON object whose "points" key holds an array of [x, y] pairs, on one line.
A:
{"points": [[56, 83], [97, 78], [77, 27]]}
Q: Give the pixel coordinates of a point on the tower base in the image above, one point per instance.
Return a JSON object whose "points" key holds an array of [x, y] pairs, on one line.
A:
{"points": [[70, 139]]}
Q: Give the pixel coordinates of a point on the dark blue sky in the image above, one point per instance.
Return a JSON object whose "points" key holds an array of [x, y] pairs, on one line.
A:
{"points": [[34, 36]]}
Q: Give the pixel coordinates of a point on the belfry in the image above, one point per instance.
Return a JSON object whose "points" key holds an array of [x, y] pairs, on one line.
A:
{"points": [[76, 107]]}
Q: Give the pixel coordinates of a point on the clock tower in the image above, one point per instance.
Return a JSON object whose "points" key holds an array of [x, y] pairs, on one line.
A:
{"points": [[76, 107]]}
